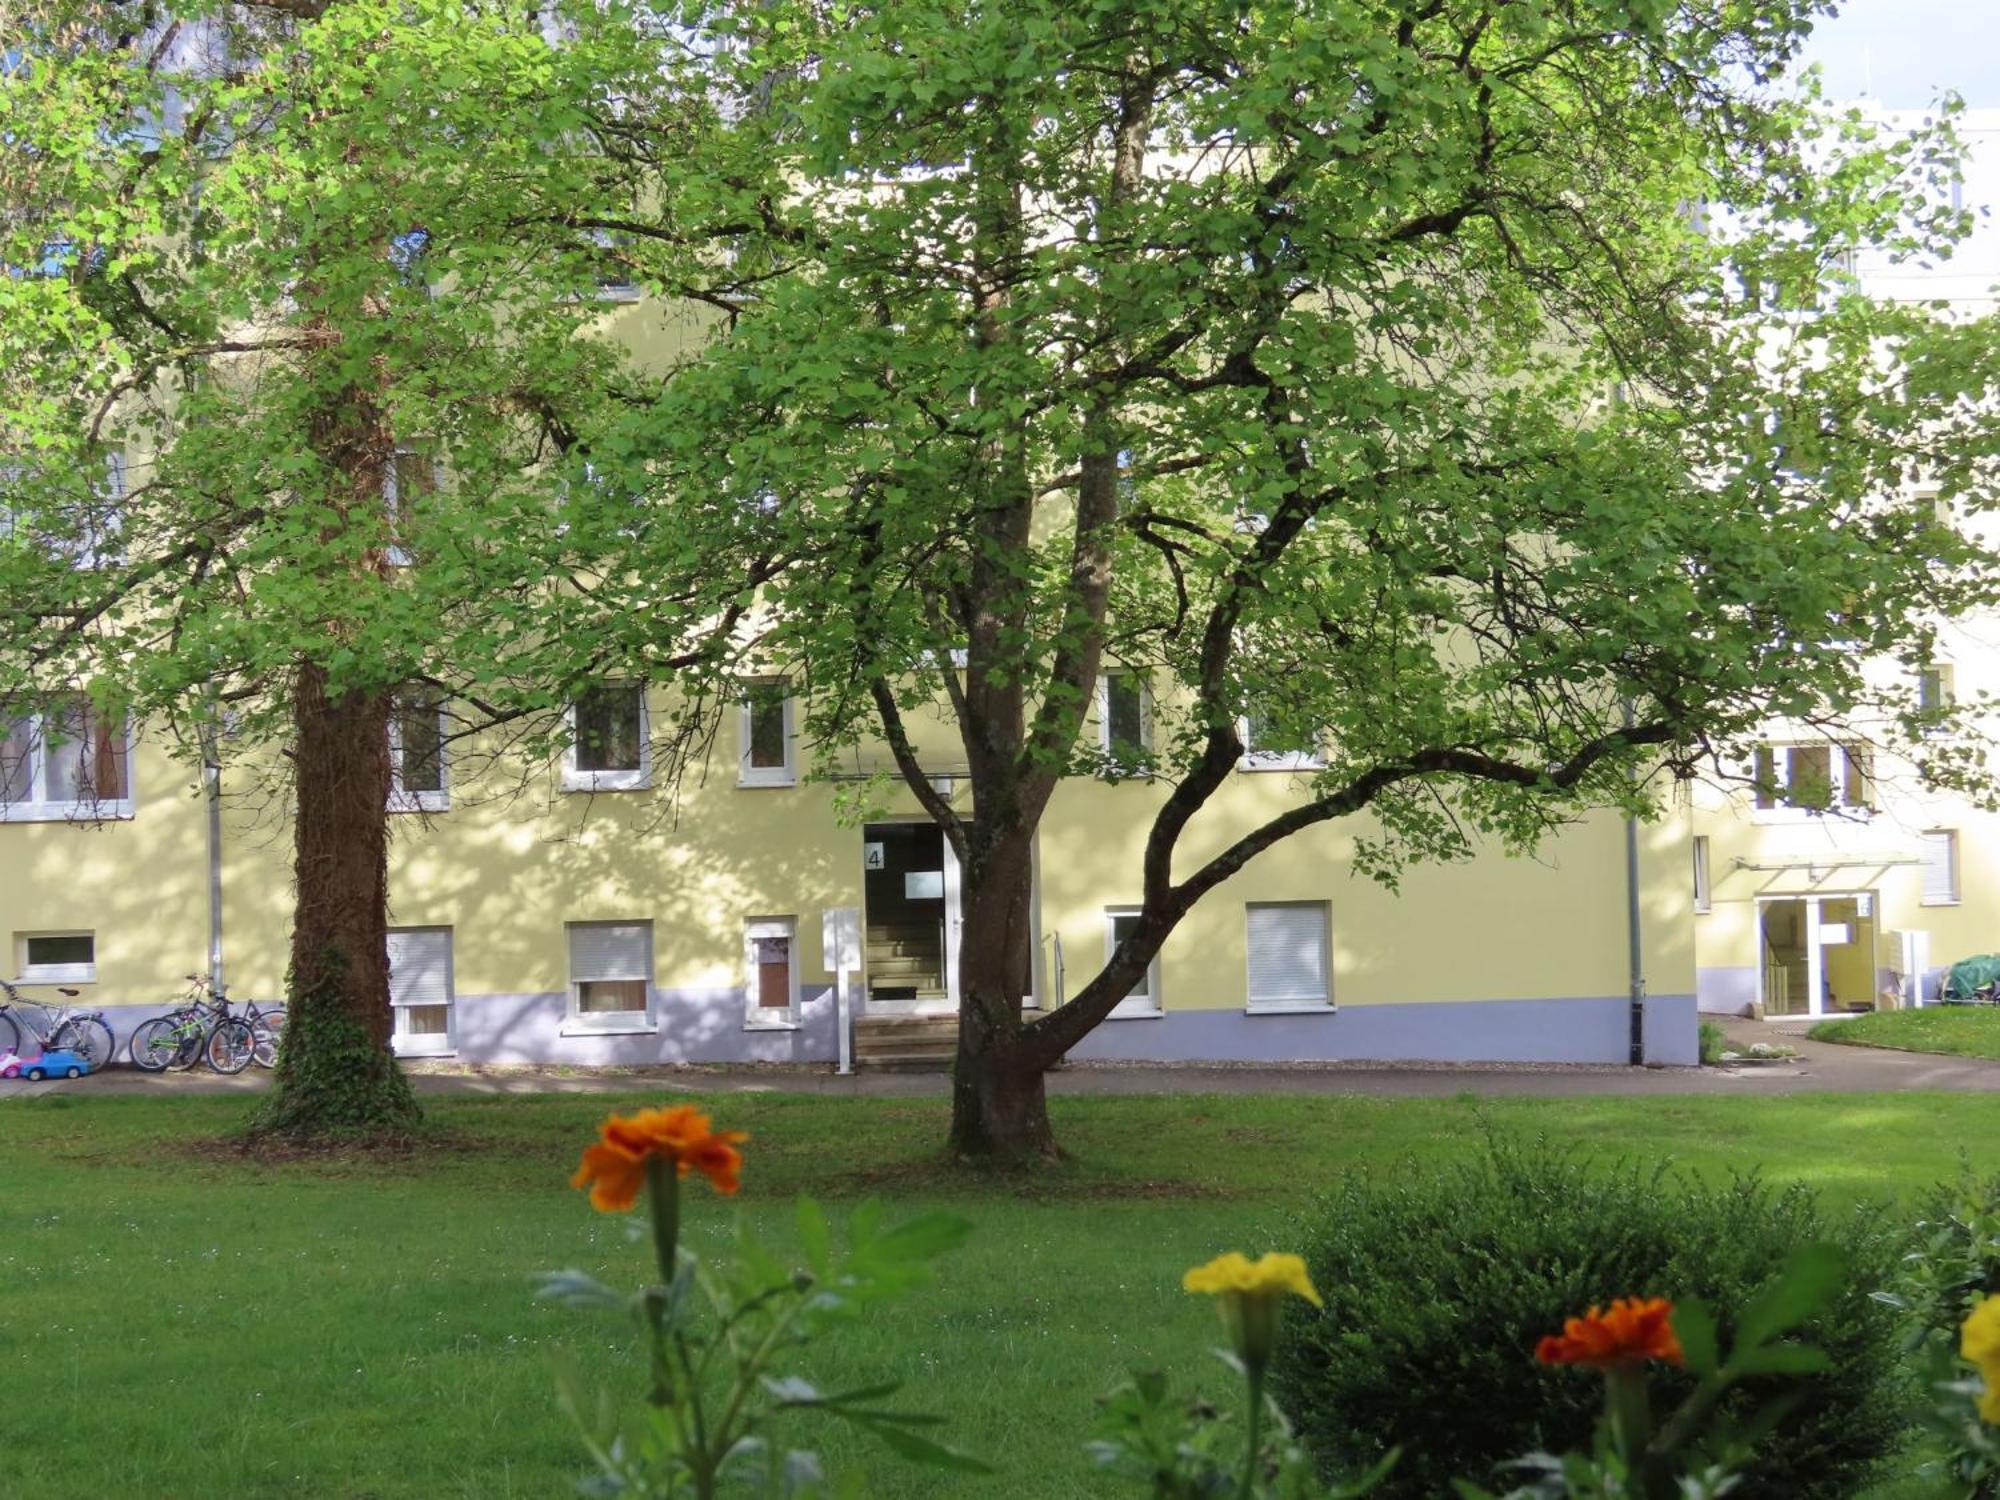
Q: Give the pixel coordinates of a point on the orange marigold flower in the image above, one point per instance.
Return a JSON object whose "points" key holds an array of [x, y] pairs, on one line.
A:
{"points": [[1630, 1332], [615, 1168]]}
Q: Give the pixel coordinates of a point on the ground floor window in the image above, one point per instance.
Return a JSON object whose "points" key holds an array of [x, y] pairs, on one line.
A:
{"points": [[1143, 999], [1286, 943], [420, 989], [610, 974], [770, 953], [57, 957]]}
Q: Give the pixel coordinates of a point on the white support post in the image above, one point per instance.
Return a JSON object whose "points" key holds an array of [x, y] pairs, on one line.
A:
{"points": [[840, 940]]}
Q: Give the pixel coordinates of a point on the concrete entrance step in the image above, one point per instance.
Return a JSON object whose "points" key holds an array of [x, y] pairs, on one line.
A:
{"points": [[905, 1043]]}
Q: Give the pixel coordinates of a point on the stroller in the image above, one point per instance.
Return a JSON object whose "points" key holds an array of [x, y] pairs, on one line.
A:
{"points": [[1972, 981]]}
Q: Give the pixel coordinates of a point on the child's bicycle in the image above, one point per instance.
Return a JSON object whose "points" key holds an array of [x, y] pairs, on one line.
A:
{"points": [[54, 1028], [206, 1025]]}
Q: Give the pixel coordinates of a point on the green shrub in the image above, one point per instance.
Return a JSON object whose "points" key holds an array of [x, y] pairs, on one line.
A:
{"points": [[1438, 1283], [1713, 1043]]}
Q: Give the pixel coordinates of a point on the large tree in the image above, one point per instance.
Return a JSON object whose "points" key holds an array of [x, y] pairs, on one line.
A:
{"points": [[309, 270], [1469, 388]]}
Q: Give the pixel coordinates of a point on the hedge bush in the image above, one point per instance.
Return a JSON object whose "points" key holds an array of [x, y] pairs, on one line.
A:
{"points": [[1438, 1281]]}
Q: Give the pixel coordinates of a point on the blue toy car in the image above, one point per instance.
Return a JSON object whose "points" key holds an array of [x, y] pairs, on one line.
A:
{"points": [[56, 1064]]}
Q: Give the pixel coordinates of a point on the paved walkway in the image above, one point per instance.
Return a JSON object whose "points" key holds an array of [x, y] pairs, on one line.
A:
{"points": [[1819, 1068]]}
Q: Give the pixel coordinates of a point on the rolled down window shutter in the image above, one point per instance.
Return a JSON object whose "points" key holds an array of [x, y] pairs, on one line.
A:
{"points": [[1940, 852], [609, 950], [1287, 953], [420, 966]]}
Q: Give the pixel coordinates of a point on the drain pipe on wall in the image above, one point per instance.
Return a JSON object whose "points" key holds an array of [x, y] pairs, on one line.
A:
{"points": [[1635, 950], [211, 775]]}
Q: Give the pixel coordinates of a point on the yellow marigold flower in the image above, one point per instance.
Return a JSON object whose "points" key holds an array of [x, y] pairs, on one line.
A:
{"points": [[615, 1168], [1979, 1342], [1273, 1275], [1629, 1332]]}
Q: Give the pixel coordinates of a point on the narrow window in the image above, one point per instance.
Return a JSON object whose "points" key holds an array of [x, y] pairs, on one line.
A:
{"points": [[769, 949], [420, 990], [411, 476], [1701, 898], [1143, 999], [1934, 689], [1268, 747], [59, 958], [609, 750], [610, 973], [416, 752], [1287, 949], [1940, 866], [765, 719], [1125, 734], [1857, 788]]}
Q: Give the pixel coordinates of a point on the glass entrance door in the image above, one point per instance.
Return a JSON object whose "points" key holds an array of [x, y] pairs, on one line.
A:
{"points": [[910, 889], [1817, 954]]}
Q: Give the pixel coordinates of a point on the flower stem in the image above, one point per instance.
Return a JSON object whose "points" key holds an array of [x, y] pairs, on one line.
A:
{"points": [[1252, 1456], [663, 1196]]}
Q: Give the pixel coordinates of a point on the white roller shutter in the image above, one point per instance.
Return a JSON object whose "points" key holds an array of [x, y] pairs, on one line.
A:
{"points": [[1287, 952], [420, 987], [610, 950], [1940, 853]]}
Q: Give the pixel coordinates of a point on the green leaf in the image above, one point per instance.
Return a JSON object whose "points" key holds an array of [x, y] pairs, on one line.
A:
{"points": [[1806, 1283]]}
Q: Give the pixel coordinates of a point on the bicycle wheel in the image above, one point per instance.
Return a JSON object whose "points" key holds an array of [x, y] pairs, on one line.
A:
{"points": [[267, 1030], [89, 1038], [10, 1035], [230, 1046], [155, 1044]]}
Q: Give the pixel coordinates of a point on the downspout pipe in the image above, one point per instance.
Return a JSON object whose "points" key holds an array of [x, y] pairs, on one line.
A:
{"points": [[211, 775], [1635, 947]]}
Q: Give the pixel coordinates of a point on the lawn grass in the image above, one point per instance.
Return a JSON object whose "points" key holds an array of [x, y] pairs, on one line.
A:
{"points": [[1957, 1030], [179, 1322]]}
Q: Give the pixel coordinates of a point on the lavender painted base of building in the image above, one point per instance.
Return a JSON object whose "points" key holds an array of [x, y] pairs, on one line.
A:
{"points": [[708, 1026], [1596, 1029]]}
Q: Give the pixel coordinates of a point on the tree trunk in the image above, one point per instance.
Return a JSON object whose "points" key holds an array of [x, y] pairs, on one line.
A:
{"points": [[336, 1075], [999, 1106]]}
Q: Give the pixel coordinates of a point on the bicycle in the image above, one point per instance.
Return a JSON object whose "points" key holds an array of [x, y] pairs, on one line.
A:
{"points": [[207, 1026], [60, 1027]]}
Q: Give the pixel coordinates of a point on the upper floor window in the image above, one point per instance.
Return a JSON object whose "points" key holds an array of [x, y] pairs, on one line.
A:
{"points": [[1934, 689], [1813, 778], [614, 266], [416, 752], [609, 749], [84, 522], [412, 474], [1267, 747], [1124, 723], [68, 761], [767, 736]]}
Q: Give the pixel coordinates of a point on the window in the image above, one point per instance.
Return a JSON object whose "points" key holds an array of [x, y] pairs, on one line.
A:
{"points": [[1701, 902], [58, 957], [1266, 747], [608, 740], [614, 273], [85, 524], [1934, 689], [412, 474], [67, 762], [1287, 948], [610, 976], [1813, 778], [420, 990], [766, 735], [1940, 866], [1124, 723], [770, 948], [1143, 999], [416, 753]]}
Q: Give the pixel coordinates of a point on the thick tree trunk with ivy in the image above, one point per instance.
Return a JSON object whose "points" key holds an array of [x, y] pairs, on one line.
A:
{"points": [[336, 1074]]}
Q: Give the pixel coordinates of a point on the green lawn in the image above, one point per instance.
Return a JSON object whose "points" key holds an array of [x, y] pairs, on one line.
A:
{"points": [[180, 1323], [1960, 1030]]}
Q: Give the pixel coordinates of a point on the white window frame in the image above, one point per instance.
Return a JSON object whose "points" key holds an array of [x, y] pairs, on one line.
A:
{"points": [[601, 1023], [756, 1017], [1274, 760], [1935, 681], [392, 498], [1127, 1009], [428, 1044], [428, 800], [1251, 1004], [1952, 855], [1841, 762], [1703, 895], [748, 775], [1104, 721], [38, 809], [30, 973], [626, 780]]}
